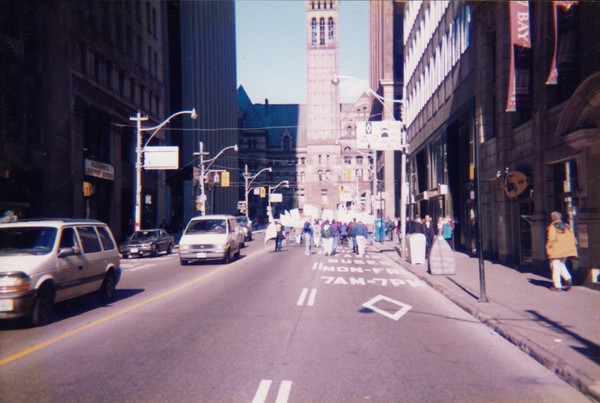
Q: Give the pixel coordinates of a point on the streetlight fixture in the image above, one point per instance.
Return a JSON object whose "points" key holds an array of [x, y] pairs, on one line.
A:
{"points": [[206, 170], [404, 187], [249, 179], [139, 150], [285, 184]]}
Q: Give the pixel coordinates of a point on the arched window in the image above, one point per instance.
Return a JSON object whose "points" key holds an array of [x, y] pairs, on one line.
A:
{"points": [[286, 143], [302, 177], [322, 31], [320, 175], [349, 131], [330, 29], [328, 175]]}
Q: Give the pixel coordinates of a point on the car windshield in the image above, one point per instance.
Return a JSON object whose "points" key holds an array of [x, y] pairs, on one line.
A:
{"points": [[216, 226], [241, 220], [34, 240], [143, 235]]}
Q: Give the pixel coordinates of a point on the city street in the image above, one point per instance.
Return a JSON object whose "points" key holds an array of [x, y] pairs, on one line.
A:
{"points": [[269, 327]]}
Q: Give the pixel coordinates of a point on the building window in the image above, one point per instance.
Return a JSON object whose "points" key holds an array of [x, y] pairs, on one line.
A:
{"points": [[359, 160], [347, 160], [286, 143], [313, 30], [330, 29], [320, 176], [302, 177], [322, 31], [328, 175]]}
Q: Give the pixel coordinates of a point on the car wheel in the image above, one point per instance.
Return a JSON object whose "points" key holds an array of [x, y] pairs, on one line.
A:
{"points": [[170, 249], [227, 257], [184, 262], [107, 290], [42, 307], [238, 253]]}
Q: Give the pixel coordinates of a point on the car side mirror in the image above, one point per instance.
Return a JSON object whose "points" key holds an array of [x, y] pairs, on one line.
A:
{"points": [[65, 252]]}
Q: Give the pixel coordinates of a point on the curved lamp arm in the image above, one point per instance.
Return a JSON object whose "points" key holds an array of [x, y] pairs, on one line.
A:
{"points": [[192, 113], [253, 177], [210, 161]]}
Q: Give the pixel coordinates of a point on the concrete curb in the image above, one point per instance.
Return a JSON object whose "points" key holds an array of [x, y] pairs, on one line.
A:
{"points": [[574, 377]]}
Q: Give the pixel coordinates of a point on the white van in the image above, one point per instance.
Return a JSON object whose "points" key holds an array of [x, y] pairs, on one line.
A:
{"points": [[211, 237], [47, 261]]}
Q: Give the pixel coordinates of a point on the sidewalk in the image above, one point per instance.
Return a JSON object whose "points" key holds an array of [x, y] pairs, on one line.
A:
{"points": [[561, 330]]}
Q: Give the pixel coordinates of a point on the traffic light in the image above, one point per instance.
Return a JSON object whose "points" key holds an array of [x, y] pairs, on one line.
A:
{"points": [[225, 179], [263, 192], [348, 174]]}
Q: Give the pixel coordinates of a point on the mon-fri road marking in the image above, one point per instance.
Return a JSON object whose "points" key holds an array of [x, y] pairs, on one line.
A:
{"points": [[404, 308], [311, 298], [263, 391]]}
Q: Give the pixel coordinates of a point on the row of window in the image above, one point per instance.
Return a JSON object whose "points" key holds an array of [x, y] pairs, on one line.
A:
{"points": [[321, 29], [454, 44], [316, 5], [118, 80]]}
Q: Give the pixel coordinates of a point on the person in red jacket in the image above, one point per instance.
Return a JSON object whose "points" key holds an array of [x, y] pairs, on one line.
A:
{"points": [[560, 246]]}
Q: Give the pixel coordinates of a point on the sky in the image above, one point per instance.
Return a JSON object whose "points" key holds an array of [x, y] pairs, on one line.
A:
{"points": [[271, 49]]}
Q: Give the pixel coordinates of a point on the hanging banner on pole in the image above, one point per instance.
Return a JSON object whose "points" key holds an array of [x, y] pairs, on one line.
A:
{"points": [[519, 36]]}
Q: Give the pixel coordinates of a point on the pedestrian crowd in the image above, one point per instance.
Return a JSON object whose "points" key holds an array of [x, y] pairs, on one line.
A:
{"points": [[561, 245]]}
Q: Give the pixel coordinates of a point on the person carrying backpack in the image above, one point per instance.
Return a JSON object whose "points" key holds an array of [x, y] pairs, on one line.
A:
{"points": [[327, 234]]}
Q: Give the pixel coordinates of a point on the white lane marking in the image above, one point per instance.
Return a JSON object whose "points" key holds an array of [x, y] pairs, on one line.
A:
{"points": [[311, 298], [284, 392], [263, 391], [404, 308]]}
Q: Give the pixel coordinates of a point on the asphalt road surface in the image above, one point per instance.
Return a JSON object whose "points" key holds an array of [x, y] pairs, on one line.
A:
{"points": [[269, 327]]}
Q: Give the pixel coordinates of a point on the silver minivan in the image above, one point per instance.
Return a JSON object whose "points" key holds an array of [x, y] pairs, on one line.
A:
{"points": [[211, 237], [47, 261]]}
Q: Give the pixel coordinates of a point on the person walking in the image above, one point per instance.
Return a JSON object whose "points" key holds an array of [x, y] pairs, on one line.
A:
{"points": [[327, 235], [308, 233], [430, 232], [360, 232], [336, 235], [279, 236], [560, 246]]}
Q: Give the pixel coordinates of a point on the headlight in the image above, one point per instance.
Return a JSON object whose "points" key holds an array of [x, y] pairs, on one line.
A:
{"points": [[11, 282], [184, 248]]}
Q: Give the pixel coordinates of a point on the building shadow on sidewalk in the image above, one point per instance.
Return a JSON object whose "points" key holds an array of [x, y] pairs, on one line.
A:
{"points": [[590, 350]]}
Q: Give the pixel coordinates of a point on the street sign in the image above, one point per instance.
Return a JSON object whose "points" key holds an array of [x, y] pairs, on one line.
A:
{"points": [[382, 136], [161, 158], [276, 198]]}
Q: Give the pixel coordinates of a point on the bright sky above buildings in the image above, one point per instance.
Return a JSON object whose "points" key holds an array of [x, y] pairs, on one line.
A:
{"points": [[271, 49]]}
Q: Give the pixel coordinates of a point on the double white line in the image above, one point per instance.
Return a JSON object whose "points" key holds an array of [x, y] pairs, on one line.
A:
{"points": [[311, 298], [263, 391]]}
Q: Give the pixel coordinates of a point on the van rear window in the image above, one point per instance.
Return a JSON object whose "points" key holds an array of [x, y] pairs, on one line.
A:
{"points": [[89, 240]]}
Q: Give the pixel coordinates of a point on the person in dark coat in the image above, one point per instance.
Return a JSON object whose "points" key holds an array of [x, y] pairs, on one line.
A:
{"points": [[430, 232]]}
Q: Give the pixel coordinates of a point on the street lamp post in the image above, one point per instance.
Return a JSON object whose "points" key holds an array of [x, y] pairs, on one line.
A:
{"points": [[139, 150], [404, 146], [205, 170], [249, 179], [285, 184]]}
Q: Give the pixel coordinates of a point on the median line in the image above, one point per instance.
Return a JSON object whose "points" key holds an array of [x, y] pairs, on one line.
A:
{"points": [[90, 325]]}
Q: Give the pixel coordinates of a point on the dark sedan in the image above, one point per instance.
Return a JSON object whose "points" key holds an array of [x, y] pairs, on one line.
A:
{"points": [[147, 242]]}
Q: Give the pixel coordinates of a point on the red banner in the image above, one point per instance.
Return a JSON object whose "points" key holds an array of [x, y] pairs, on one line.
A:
{"points": [[519, 36], [553, 76]]}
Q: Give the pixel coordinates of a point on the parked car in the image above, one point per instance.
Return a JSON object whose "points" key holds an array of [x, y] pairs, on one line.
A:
{"points": [[47, 261], [246, 225], [147, 242], [211, 237]]}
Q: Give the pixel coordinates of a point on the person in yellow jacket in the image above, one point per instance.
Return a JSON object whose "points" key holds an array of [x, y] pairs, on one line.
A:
{"points": [[560, 246]]}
